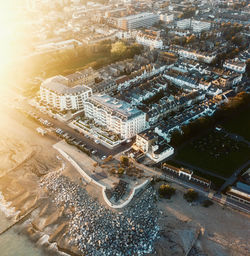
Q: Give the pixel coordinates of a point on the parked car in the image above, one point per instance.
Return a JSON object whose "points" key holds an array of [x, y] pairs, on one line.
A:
{"points": [[103, 157]]}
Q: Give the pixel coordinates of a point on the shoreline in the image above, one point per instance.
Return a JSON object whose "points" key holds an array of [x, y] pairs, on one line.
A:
{"points": [[17, 227]]}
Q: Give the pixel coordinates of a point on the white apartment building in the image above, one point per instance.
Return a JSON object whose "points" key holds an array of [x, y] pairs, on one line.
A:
{"points": [[151, 41], [199, 26], [57, 93], [196, 25], [116, 115], [184, 24], [167, 17], [153, 146], [144, 19], [55, 46], [194, 55], [125, 34], [235, 65]]}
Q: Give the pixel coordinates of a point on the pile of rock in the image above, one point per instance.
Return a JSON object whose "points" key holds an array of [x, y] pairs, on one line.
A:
{"points": [[96, 230]]}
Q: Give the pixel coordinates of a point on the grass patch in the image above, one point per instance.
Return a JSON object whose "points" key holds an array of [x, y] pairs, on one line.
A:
{"points": [[239, 124], [215, 152], [216, 182]]}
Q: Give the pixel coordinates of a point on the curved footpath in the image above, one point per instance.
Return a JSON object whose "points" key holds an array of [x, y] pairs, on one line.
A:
{"points": [[103, 188]]}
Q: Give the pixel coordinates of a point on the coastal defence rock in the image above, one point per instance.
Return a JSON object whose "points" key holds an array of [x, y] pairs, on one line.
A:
{"points": [[96, 230], [174, 243]]}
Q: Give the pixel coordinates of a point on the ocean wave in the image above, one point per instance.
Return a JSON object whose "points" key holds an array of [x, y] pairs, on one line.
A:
{"points": [[43, 242], [10, 212]]}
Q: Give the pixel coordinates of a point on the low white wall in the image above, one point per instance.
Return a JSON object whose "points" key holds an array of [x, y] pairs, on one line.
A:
{"points": [[134, 191], [78, 168], [103, 188]]}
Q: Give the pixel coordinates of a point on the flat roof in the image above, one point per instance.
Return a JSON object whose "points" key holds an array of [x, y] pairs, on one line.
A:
{"points": [[148, 134], [137, 16], [121, 107], [56, 84]]}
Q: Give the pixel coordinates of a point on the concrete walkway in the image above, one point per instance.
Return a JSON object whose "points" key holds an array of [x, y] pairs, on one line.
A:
{"points": [[87, 164], [103, 182]]}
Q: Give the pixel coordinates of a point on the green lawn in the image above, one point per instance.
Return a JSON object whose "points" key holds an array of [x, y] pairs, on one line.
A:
{"points": [[239, 124], [216, 153], [216, 182]]}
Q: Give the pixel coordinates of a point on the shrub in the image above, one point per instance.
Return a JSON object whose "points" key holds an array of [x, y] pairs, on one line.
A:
{"points": [[120, 170], [207, 203], [109, 158], [166, 191], [124, 160], [191, 195]]}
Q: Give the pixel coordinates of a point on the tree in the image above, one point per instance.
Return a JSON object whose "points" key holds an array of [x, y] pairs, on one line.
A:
{"points": [[191, 195], [109, 158], [176, 138], [190, 39], [166, 191], [124, 160], [118, 49], [207, 203], [248, 68], [121, 171]]}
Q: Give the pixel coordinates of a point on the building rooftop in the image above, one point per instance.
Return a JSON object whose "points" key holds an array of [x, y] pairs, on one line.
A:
{"points": [[148, 134], [137, 16], [117, 106], [57, 84]]}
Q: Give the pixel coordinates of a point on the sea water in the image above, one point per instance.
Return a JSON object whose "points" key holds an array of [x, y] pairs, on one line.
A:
{"points": [[12, 243]]}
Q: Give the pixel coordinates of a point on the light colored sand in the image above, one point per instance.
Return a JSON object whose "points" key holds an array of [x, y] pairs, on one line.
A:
{"points": [[226, 232]]}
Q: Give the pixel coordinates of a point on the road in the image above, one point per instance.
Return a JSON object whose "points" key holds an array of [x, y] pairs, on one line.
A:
{"points": [[104, 151], [234, 177], [90, 144], [217, 197]]}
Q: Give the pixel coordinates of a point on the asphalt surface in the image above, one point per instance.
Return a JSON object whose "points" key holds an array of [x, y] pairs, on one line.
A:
{"points": [[90, 144], [101, 150], [217, 197], [234, 177]]}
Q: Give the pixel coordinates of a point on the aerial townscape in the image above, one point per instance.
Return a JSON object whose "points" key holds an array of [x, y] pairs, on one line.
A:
{"points": [[125, 128]]}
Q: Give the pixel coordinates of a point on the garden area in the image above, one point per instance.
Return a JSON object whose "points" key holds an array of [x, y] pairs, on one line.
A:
{"points": [[215, 152], [97, 130]]}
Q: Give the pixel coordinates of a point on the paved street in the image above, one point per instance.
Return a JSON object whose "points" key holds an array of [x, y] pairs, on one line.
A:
{"points": [[217, 197], [101, 150], [151, 172]]}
